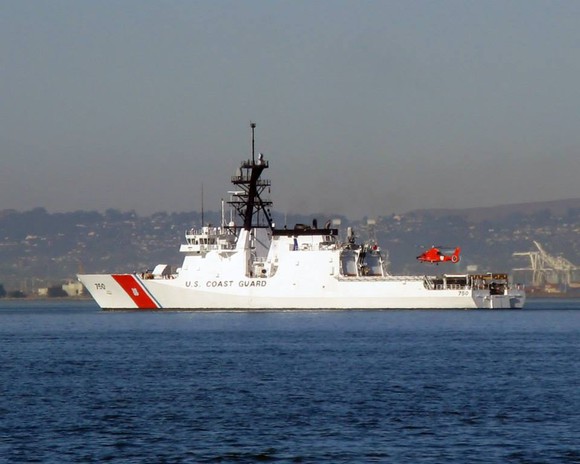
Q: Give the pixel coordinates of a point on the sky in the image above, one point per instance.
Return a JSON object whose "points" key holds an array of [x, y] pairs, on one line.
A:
{"points": [[363, 108]]}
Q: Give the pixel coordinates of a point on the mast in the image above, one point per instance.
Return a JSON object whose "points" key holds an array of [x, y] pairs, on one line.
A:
{"points": [[202, 221], [250, 204], [253, 126]]}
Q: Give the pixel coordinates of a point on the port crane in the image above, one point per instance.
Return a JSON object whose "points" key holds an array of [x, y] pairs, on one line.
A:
{"points": [[546, 268]]}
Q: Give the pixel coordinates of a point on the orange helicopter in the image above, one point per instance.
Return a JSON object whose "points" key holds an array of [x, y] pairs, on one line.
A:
{"points": [[438, 255]]}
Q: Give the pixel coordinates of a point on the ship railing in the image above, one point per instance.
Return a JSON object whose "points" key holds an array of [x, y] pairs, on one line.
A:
{"points": [[247, 164], [205, 232], [446, 287], [403, 278], [259, 182], [388, 278], [205, 247], [455, 287], [322, 246]]}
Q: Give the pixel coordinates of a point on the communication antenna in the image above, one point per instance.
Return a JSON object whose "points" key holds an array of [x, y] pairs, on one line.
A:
{"points": [[202, 220], [253, 126]]}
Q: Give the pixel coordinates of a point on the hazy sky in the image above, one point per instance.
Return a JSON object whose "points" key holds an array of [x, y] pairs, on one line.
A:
{"points": [[363, 107]]}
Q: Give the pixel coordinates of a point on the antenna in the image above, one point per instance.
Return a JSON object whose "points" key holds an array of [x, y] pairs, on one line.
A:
{"points": [[253, 126], [202, 221]]}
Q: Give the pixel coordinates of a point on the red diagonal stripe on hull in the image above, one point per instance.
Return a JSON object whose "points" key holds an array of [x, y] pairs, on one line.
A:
{"points": [[135, 291]]}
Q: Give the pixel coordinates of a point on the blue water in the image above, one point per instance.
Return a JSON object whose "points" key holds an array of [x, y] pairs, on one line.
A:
{"points": [[84, 386]]}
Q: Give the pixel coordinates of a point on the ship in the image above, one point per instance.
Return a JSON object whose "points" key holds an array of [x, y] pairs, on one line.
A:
{"points": [[247, 263]]}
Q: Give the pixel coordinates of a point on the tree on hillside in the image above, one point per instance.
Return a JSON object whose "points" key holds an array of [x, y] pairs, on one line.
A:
{"points": [[2, 291], [16, 294], [56, 292]]}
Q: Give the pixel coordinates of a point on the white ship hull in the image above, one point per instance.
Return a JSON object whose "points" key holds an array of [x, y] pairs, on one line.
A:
{"points": [[130, 291]]}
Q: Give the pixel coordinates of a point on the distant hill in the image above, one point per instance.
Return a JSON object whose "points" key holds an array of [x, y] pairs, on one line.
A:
{"points": [[39, 248], [500, 212]]}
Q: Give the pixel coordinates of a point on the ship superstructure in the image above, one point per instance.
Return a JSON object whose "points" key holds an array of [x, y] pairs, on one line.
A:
{"points": [[250, 264]]}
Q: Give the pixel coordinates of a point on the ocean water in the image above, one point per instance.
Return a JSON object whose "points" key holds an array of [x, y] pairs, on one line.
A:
{"points": [[78, 385]]}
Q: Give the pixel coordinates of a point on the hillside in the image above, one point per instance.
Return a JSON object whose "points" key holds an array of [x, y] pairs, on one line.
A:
{"points": [[555, 208], [38, 248]]}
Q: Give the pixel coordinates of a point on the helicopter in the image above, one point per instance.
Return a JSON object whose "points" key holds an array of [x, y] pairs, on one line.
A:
{"points": [[438, 255]]}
